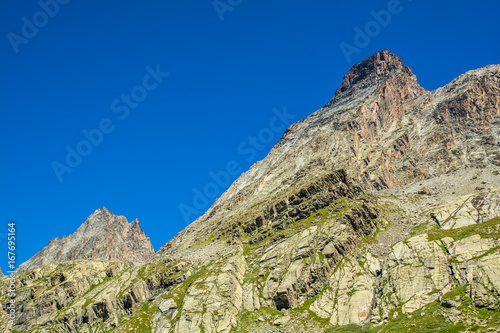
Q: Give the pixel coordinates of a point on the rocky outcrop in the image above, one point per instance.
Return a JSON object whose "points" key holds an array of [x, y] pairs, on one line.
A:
{"points": [[414, 270], [347, 285], [380, 207], [467, 210], [5, 326], [296, 270], [103, 236], [380, 65], [382, 128], [95, 296], [417, 272], [212, 302], [92, 296]]}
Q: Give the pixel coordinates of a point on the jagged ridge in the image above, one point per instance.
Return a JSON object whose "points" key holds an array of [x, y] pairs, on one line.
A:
{"points": [[103, 236], [329, 228]]}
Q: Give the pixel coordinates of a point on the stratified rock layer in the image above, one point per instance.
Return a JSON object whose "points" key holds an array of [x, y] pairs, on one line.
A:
{"points": [[382, 209], [382, 129]]}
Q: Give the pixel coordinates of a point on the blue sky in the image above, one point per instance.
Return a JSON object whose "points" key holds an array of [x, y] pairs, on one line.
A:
{"points": [[90, 77]]}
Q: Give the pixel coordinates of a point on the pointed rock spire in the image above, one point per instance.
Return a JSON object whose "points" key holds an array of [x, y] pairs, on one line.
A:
{"points": [[381, 63]]}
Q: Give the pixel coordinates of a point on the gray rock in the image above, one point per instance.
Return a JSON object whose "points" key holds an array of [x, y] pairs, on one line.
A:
{"points": [[281, 321], [169, 308], [103, 236], [449, 303], [300, 224]]}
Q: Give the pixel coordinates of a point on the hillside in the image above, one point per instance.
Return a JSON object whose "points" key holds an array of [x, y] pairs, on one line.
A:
{"points": [[380, 212]]}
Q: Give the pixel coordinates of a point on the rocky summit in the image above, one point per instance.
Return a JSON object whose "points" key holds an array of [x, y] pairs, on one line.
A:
{"points": [[103, 236], [380, 212]]}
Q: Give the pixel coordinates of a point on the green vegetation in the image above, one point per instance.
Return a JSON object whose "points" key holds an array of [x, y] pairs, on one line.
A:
{"points": [[141, 320], [432, 318], [247, 319], [488, 229], [154, 268], [90, 300]]}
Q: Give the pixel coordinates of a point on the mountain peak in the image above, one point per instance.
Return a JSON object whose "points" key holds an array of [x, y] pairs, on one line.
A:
{"points": [[101, 210], [337, 224], [381, 63], [103, 236]]}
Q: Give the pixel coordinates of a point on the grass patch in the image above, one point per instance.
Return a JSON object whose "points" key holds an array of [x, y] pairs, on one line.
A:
{"points": [[487, 229], [141, 320], [89, 301]]}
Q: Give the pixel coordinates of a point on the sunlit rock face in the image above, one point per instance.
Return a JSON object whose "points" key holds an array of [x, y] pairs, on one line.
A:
{"points": [[381, 207], [103, 236]]}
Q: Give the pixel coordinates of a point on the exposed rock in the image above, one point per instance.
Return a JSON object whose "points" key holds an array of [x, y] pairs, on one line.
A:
{"points": [[116, 268], [373, 265], [449, 303], [470, 247], [483, 280], [251, 301], [213, 301], [350, 296], [382, 129], [281, 320], [424, 190], [82, 294], [169, 308], [5, 326], [409, 278], [468, 209], [103, 236], [332, 213], [415, 269], [381, 64]]}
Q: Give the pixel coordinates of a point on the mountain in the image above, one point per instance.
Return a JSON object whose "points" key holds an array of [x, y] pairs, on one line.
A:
{"points": [[382, 128], [103, 236], [379, 212]]}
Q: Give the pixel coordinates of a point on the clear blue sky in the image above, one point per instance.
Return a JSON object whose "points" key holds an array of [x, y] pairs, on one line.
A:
{"points": [[75, 71]]}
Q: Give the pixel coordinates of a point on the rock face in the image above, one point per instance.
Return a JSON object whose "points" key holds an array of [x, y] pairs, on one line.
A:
{"points": [[382, 129], [381, 64], [103, 236], [381, 208], [468, 210], [415, 273]]}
